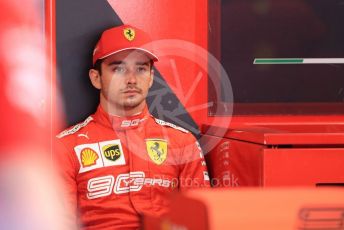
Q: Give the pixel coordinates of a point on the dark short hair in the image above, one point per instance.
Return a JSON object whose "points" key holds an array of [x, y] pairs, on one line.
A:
{"points": [[98, 65]]}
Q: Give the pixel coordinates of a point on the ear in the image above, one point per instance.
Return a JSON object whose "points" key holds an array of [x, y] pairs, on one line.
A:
{"points": [[95, 78], [151, 78]]}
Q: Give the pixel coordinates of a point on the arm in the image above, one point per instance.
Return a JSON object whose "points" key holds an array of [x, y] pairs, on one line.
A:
{"points": [[193, 169], [66, 166]]}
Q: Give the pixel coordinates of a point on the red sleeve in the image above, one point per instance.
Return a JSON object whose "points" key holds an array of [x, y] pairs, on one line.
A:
{"points": [[66, 167], [193, 169]]}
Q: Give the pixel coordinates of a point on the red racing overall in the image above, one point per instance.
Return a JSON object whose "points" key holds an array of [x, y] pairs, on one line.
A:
{"points": [[116, 168]]}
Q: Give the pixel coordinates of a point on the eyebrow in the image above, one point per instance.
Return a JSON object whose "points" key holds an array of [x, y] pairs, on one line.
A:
{"points": [[143, 63], [123, 62], [116, 63]]}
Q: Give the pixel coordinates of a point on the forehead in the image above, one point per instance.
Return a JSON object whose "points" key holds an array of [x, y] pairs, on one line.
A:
{"points": [[128, 56]]}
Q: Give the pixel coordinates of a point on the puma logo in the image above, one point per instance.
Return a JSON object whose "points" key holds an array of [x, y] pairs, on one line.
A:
{"points": [[83, 135]]}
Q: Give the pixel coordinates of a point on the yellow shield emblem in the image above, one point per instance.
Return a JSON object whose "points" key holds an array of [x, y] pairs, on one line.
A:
{"points": [[157, 150], [129, 33]]}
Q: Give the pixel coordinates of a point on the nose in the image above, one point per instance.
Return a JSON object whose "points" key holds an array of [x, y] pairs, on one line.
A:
{"points": [[131, 77]]}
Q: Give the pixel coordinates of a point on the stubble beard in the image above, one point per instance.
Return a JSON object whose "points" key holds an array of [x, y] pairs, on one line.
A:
{"points": [[131, 102]]}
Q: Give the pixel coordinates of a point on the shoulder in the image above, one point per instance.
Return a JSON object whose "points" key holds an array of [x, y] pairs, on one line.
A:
{"points": [[170, 125], [182, 134], [74, 129]]}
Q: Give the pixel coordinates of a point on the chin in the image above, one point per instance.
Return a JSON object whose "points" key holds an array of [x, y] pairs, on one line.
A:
{"points": [[132, 103]]}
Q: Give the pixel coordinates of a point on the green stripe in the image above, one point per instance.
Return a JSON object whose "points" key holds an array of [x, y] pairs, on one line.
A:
{"points": [[278, 61]]}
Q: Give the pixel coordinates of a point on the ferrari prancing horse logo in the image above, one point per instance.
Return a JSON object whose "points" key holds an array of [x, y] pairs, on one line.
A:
{"points": [[157, 150], [129, 33]]}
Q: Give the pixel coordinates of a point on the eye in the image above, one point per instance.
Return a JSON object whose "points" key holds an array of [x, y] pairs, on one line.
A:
{"points": [[119, 69], [142, 69]]}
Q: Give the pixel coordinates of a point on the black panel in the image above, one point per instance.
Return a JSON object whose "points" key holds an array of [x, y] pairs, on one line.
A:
{"points": [[280, 29], [79, 24], [250, 29]]}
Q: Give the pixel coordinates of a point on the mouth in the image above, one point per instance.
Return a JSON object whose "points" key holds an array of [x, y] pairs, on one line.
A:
{"points": [[131, 91]]}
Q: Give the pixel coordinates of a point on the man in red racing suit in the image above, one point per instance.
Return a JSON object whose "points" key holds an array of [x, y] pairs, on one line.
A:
{"points": [[118, 165]]}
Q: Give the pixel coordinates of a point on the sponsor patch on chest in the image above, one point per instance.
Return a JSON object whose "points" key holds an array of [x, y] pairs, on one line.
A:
{"points": [[101, 154], [112, 153], [157, 150]]}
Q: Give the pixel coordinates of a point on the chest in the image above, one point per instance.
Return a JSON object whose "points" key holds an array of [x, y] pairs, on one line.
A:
{"points": [[126, 160]]}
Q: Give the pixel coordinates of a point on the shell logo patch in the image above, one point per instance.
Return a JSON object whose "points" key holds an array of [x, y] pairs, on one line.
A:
{"points": [[129, 33], [88, 157], [111, 152], [157, 150]]}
